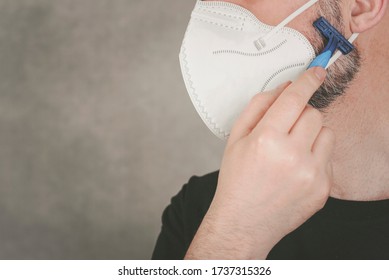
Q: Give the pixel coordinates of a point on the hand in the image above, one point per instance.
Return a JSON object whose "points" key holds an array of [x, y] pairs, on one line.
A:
{"points": [[275, 174]]}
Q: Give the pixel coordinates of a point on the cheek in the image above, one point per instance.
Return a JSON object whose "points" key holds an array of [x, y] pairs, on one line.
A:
{"points": [[304, 24], [267, 12]]}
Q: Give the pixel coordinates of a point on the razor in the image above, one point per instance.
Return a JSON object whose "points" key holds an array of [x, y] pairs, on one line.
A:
{"points": [[336, 41]]}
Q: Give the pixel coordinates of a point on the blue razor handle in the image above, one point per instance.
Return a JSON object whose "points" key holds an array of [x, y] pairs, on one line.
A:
{"points": [[335, 41]]}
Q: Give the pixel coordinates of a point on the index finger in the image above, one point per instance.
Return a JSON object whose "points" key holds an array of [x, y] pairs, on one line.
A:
{"points": [[286, 110]]}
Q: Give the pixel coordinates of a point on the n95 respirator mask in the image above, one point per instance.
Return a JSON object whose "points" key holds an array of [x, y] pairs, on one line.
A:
{"points": [[228, 55]]}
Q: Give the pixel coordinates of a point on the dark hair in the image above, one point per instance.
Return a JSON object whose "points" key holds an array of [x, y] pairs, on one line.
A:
{"points": [[344, 70]]}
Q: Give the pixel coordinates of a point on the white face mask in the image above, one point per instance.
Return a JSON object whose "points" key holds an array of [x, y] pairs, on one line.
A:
{"points": [[228, 56]]}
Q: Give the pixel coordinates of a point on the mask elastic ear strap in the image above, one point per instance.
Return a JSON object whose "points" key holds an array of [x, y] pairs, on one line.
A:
{"points": [[261, 42], [339, 53]]}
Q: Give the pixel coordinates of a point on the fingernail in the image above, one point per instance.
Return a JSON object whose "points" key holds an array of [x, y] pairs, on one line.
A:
{"points": [[320, 73]]}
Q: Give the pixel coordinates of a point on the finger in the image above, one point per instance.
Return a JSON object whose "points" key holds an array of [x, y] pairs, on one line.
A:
{"points": [[307, 127], [254, 112], [330, 170], [324, 145], [285, 111]]}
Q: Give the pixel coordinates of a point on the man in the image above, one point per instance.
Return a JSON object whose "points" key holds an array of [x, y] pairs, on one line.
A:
{"points": [[286, 189]]}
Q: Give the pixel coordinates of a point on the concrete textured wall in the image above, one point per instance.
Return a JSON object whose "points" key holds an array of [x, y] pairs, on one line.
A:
{"points": [[96, 129]]}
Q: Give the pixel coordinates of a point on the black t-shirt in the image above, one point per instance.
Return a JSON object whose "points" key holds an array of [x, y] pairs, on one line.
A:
{"points": [[341, 230]]}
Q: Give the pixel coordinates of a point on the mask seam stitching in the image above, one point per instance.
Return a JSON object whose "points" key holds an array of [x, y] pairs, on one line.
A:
{"points": [[193, 94], [279, 72], [222, 14], [219, 24], [245, 15], [250, 54], [234, 8]]}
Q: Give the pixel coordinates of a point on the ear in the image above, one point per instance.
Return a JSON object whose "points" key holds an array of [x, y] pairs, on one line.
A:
{"points": [[365, 14]]}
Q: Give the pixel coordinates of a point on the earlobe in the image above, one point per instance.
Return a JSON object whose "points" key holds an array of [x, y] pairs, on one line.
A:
{"points": [[365, 14]]}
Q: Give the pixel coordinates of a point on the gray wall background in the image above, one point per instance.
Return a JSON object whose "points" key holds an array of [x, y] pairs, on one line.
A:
{"points": [[96, 129]]}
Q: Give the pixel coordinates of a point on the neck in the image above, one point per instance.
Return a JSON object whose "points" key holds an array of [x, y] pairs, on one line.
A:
{"points": [[359, 120]]}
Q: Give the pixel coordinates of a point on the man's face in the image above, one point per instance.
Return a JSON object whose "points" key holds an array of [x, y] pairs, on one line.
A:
{"points": [[340, 74]]}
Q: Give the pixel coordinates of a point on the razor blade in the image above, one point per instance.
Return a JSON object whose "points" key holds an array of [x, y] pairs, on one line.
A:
{"points": [[335, 41]]}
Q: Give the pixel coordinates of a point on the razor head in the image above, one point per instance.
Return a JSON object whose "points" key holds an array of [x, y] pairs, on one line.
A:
{"points": [[335, 39]]}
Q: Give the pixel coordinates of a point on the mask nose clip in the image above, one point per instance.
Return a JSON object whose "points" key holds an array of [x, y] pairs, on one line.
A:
{"points": [[335, 41]]}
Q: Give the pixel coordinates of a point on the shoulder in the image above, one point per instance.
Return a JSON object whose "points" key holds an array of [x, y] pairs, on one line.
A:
{"points": [[183, 216], [198, 193], [192, 202], [194, 199]]}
